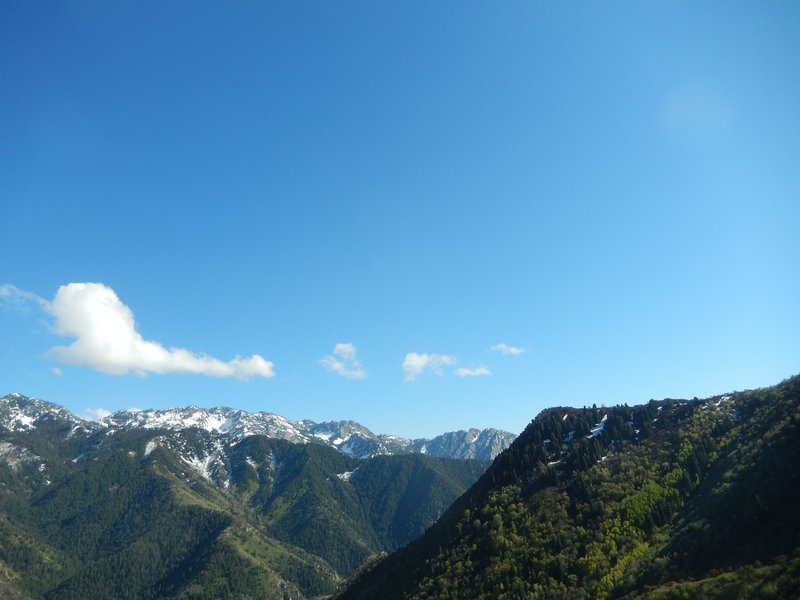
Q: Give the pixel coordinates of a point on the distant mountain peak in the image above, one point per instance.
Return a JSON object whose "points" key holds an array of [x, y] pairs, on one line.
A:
{"points": [[19, 412]]}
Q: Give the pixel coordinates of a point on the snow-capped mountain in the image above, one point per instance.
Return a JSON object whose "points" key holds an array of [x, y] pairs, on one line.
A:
{"points": [[348, 437], [474, 443], [237, 424], [20, 412]]}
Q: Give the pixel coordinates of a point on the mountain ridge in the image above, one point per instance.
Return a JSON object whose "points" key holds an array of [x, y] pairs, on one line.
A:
{"points": [[347, 436], [667, 500]]}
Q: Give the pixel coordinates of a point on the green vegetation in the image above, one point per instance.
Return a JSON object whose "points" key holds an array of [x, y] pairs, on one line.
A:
{"points": [[675, 499], [127, 515], [665, 501]]}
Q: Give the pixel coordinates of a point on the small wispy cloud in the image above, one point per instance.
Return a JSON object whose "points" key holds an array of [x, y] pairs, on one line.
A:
{"points": [[95, 414], [481, 371], [107, 341], [344, 362], [57, 371], [416, 364], [13, 296], [507, 350]]}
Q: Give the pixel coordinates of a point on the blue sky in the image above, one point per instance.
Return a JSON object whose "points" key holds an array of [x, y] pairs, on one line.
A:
{"points": [[333, 191]]}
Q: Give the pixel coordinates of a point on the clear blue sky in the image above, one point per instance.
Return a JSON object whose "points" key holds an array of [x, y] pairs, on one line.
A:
{"points": [[613, 188]]}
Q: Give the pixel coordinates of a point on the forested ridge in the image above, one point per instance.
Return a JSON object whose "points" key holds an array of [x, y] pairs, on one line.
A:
{"points": [[162, 514], [670, 499]]}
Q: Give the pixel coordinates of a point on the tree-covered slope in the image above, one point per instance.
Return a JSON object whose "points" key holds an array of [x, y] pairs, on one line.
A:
{"points": [[88, 513], [672, 499], [123, 525], [345, 509]]}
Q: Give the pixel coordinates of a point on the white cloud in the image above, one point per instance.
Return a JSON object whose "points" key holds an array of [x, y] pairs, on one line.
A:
{"points": [[415, 364], [476, 372], [507, 350], [344, 362], [95, 414], [57, 371], [107, 340]]}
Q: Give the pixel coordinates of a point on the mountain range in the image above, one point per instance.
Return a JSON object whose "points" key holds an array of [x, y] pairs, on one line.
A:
{"points": [[20, 412], [671, 499], [195, 503]]}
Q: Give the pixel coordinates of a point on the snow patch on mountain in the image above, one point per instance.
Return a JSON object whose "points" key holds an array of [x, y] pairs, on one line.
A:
{"points": [[151, 445], [598, 428], [16, 457], [346, 475], [203, 465]]}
